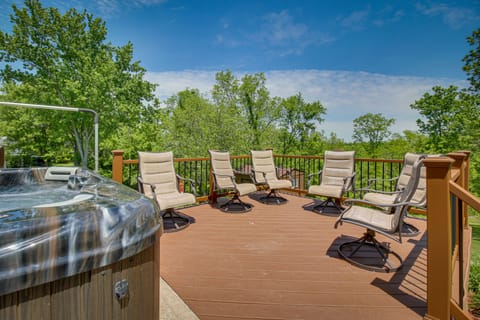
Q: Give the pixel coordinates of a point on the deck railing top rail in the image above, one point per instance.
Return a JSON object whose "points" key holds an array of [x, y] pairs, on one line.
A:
{"points": [[126, 170]]}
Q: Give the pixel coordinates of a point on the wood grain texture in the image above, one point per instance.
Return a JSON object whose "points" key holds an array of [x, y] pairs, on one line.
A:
{"points": [[280, 262]]}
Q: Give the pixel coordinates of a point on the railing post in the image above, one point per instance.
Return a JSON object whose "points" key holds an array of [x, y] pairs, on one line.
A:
{"points": [[464, 179], [439, 243], [117, 165]]}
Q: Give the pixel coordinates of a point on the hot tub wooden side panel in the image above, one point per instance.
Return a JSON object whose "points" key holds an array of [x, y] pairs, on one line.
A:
{"points": [[90, 295]]}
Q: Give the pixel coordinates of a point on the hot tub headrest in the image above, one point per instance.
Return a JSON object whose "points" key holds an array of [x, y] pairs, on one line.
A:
{"points": [[60, 173]]}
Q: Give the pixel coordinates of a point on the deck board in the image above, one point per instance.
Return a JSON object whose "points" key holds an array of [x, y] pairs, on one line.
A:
{"points": [[280, 262]]}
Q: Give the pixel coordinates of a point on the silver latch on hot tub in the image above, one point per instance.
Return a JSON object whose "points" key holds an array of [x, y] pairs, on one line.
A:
{"points": [[121, 289]]}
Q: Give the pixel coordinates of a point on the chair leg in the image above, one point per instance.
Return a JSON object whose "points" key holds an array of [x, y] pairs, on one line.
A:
{"points": [[409, 230], [386, 260], [174, 221], [236, 205], [273, 197], [328, 207]]}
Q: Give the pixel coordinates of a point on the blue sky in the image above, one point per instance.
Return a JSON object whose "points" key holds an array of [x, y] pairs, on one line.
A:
{"points": [[353, 56]]}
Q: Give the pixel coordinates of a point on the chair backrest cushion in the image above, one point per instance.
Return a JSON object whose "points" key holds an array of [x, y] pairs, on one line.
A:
{"points": [[420, 195], [262, 161], [408, 162], [336, 166], [222, 167], [157, 168], [408, 192]]}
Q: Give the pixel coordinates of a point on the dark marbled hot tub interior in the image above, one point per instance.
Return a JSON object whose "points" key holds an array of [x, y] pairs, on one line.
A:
{"points": [[54, 228]]}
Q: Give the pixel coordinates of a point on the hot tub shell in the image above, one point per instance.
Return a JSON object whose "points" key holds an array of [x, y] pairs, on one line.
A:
{"points": [[90, 252]]}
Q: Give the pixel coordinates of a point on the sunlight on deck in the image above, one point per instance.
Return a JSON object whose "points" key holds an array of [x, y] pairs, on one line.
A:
{"points": [[280, 262]]}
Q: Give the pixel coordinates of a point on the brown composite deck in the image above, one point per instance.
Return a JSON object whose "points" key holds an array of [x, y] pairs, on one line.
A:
{"points": [[280, 262]]}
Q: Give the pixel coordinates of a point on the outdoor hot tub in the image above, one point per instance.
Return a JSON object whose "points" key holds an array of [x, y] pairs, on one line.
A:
{"points": [[74, 244]]}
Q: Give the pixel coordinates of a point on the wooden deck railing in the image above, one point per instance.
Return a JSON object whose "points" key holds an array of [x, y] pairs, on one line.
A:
{"points": [[126, 171], [448, 198], [449, 236]]}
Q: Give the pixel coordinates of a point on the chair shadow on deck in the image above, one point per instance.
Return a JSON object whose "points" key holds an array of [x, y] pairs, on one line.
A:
{"points": [[258, 195], [171, 222], [327, 210], [407, 285]]}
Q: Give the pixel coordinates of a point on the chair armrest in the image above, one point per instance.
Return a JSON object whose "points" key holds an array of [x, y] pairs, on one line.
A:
{"points": [[372, 181], [287, 170], [349, 183], [191, 181], [350, 202], [288, 173], [141, 184], [141, 189], [224, 175], [253, 175], [236, 172], [364, 190], [311, 175]]}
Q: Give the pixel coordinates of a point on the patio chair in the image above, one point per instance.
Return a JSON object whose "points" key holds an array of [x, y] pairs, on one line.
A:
{"points": [[419, 198], [265, 173], [224, 179], [387, 219], [335, 179], [157, 180]]}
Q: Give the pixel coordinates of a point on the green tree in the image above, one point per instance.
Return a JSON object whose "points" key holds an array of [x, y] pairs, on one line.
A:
{"points": [[448, 117], [472, 61], [56, 59], [232, 129], [189, 131], [251, 101], [399, 144], [371, 130], [297, 121]]}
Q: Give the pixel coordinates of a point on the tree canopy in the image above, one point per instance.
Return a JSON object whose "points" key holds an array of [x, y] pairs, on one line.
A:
{"points": [[372, 130], [472, 61], [57, 58], [64, 59]]}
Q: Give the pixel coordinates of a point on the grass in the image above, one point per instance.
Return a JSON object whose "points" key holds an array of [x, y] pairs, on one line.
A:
{"points": [[474, 283]]}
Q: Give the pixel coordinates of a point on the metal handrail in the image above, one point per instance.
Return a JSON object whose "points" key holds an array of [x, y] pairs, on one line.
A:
{"points": [[62, 108]]}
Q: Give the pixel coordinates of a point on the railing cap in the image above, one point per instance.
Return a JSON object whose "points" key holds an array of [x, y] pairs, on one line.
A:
{"points": [[459, 155], [117, 152], [438, 162]]}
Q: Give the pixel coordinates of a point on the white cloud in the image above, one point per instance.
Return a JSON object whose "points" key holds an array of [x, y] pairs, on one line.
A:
{"points": [[455, 17], [278, 34], [356, 20], [279, 28], [346, 95], [171, 82]]}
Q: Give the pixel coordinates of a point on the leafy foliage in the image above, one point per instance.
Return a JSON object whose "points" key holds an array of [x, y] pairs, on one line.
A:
{"points": [[372, 130], [56, 59], [472, 61], [449, 115]]}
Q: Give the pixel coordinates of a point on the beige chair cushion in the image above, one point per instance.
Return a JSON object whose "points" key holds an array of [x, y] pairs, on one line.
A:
{"points": [[371, 217], [408, 162], [330, 191], [175, 199], [419, 196], [380, 198], [222, 168], [245, 188], [262, 161], [337, 166], [157, 168]]}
